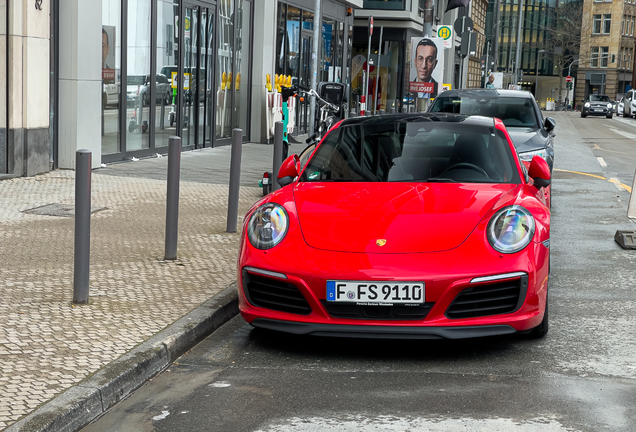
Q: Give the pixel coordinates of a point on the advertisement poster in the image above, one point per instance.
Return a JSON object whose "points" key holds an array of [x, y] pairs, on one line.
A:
{"points": [[426, 72], [494, 80], [108, 54]]}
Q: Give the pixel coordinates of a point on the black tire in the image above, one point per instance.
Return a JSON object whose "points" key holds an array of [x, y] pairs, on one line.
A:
{"points": [[266, 189], [583, 115], [542, 329], [131, 127], [609, 116], [625, 113], [171, 121]]}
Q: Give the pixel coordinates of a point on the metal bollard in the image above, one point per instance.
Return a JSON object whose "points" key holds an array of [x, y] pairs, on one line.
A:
{"points": [[235, 180], [353, 113], [278, 153], [172, 200], [382, 112], [392, 110], [404, 109], [163, 113], [83, 162]]}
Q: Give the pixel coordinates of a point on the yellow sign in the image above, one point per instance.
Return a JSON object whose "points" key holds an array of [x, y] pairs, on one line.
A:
{"points": [[444, 32], [186, 81]]}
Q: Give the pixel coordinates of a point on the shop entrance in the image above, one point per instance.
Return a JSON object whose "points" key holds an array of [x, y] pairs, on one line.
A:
{"points": [[196, 67]]}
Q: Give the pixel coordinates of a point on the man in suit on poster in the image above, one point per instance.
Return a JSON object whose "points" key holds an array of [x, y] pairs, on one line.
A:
{"points": [[425, 63]]}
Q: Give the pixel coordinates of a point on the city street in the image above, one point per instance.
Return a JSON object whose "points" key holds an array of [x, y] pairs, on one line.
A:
{"points": [[580, 377]]}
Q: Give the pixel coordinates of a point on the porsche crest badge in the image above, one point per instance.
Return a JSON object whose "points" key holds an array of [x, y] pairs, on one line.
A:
{"points": [[380, 242]]}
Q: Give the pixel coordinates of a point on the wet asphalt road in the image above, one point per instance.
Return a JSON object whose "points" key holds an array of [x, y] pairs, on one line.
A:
{"points": [[581, 376]]}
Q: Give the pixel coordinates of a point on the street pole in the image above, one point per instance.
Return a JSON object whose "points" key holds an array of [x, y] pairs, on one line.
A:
{"points": [[377, 73], [368, 77], [518, 54], [427, 28], [497, 33], [315, 54]]}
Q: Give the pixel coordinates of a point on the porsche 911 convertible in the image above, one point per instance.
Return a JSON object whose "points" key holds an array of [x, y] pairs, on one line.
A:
{"points": [[402, 226]]}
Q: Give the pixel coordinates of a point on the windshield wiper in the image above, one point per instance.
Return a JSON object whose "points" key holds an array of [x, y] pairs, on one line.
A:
{"points": [[441, 179]]}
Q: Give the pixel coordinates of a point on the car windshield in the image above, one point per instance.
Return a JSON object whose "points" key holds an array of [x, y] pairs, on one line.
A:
{"points": [[599, 98], [513, 111], [410, 151], [136, 80]]}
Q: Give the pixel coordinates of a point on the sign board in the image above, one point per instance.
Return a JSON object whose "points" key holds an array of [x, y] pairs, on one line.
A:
{"points": [[445, 32], [427, 66], [187, 27], [463, 24], [446, 87], [186, 81], [568, 78], [370, 26]]}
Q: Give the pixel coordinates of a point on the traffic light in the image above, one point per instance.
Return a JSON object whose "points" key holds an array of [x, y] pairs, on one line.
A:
{"points": [[569, 85], [613, 58]]}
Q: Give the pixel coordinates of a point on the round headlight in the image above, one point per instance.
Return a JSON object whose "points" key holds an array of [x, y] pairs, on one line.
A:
{"points": [[267, 226], [609, 105], [511, 229], [587, 104]]}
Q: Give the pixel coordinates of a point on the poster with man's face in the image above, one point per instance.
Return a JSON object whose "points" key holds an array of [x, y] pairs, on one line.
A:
{"points": [[427, 59], [108, 54]]}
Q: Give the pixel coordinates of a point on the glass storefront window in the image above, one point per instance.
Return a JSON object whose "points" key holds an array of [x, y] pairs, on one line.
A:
{"points": [[3, 87], [329, 44], [167, 63], [242, 79], [293, 41], [111, 76], [282, 42], [138, 81], [224, 79]]}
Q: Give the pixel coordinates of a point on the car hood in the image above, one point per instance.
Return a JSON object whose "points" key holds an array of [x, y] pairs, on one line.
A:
{"points": [[412, 218], [526, 139], [599, 104]]}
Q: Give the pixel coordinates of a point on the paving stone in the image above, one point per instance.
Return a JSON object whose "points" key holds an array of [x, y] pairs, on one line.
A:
{"points": [[51, 344]]}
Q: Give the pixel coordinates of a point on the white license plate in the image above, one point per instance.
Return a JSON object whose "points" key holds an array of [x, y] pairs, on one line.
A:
{"points": [[265, 180], [375, 292]]}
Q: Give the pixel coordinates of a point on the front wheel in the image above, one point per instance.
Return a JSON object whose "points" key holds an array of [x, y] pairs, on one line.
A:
{"points": [[583, 115], [609, 116], [542, 329]]}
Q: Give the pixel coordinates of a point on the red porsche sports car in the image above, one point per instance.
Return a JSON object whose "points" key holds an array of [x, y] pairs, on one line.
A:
{"points": [[402, 226]]}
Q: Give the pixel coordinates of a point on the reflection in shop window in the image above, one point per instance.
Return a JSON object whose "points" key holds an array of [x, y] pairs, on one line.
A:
{"points": [[225, 50], [111, 76], [167, 63], [138, 80]]}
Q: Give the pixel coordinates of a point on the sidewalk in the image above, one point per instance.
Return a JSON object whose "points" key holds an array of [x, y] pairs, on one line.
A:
{"points": [[47, 345]]}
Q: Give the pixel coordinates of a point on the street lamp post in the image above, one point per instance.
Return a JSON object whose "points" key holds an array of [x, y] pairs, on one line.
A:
{"points": [[536, 74]]}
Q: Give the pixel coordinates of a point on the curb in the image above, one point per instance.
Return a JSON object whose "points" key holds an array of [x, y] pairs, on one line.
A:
{"points": [[90, 398]]}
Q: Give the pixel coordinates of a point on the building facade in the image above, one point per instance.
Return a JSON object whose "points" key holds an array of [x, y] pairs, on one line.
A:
{"points": [[191, 68], [607, 49]]}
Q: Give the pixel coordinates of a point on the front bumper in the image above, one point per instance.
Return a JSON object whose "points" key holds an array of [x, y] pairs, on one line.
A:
{"points": [[597, 111], [382, 332], [446, 275]]}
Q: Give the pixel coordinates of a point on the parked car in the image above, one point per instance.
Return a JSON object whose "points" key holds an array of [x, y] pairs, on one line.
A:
{"points": [[629, 104], [597, 105], [531, 134], [138, 87], [110, 94], [402, 226], [619, 106]]}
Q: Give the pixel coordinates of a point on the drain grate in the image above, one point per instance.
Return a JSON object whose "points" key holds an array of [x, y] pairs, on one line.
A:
{"points": [[61, 210]]}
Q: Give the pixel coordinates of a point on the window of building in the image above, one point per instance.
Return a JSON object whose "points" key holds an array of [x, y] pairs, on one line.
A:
{"points": [[596, 25], [604, 56], [594, 57], [384, 4], [607, 23]]}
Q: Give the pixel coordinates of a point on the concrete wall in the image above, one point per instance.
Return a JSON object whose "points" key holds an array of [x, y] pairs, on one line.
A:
{"points": [[28, 78], [80, 85]]}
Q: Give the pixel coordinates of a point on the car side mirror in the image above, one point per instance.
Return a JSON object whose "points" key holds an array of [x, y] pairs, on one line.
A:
{"points": [[549, 124], [288, 170], [539, 172]]}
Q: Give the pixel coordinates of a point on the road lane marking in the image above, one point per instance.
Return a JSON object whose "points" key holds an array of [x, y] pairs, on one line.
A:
{"points": [[614, 180], [602, 162], [625, 134], [597, 147]]}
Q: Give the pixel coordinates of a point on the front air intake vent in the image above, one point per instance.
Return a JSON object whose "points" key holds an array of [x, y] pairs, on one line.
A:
{"points": [[274, 294], [489, 299]]}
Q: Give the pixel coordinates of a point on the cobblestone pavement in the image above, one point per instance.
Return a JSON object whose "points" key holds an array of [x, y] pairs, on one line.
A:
{"points": [[46, 343]]}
